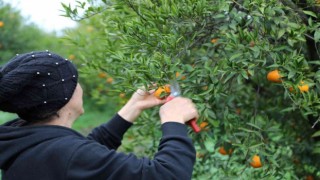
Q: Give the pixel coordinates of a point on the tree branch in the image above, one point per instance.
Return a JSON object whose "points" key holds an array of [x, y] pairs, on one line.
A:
{"points": [[298, 8], [293, 6]]}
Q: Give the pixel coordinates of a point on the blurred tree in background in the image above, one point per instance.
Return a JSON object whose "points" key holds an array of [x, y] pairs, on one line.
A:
{"points": [[16, 36]]}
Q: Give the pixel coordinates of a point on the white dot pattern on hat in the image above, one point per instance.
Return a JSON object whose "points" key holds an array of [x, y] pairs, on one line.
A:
{"points": [[41, 79]]}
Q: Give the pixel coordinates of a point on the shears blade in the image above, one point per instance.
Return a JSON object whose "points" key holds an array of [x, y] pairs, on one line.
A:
{"points": [[175, 88]]}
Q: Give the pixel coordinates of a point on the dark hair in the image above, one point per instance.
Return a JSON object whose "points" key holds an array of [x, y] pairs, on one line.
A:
{"points": [[34, 115]]}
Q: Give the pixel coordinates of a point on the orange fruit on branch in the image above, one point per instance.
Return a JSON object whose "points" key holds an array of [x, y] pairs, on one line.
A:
{"points": [[252, 43], [291, 89], [203, 124], [1, 24], [302, 86], [122, 95], [72, 57], [109, 80], [274, 76], [102, 75], [309, 177], [214, 40], [204, 88], [256, 162], [178, 75], [199, 155], [167, 89], [90, 29], [223, 151], [162, 91], [238, 111]]}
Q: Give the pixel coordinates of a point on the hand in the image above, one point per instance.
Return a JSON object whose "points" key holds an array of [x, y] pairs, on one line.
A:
{"points": [[145, 99], [139, 101], [179, 110]]}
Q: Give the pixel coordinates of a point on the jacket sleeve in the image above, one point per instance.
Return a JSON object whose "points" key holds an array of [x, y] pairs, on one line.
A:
{"points": [[111, 133], [174, 160]]}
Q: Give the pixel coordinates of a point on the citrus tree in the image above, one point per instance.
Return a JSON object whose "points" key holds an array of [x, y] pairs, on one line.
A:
{"points": [[18, 36], [251, 67]]}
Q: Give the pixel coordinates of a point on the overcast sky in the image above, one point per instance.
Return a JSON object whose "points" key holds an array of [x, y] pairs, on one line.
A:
{"points": [[45, 13]]}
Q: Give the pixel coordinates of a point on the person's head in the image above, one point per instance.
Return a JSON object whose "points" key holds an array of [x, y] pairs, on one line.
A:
{"points": [[37, 85]]}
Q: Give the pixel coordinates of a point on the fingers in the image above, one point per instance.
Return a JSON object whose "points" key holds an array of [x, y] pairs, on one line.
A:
{"points": [[190, 110], [142, 90], [178, 110], [152, 91], [159, 101]]}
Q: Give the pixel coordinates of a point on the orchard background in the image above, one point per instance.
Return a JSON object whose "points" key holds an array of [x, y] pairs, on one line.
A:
{"points": [[221, 53]]}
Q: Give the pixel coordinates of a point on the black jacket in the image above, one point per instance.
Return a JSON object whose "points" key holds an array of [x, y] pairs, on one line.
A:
{"points": [[44, 152]]}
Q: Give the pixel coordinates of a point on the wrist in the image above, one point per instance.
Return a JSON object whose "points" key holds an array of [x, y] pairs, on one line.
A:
{"points": [[165, 119], [129, 112]]}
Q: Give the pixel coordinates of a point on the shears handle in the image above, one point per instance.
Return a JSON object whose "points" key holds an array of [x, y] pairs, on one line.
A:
{"points": [[169, 98], [192, 123]]}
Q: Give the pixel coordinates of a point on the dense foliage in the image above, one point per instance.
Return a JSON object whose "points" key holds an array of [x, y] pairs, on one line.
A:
{"points": [[223, 52]]}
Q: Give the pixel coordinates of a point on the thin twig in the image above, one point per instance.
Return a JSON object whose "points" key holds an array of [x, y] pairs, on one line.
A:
{"points": [[139, 38], [136, 11], [316, 122], [316, 47], [78, 18], [245, 158], [296, 9]]}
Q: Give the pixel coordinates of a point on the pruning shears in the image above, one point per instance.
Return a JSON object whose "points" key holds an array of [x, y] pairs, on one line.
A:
{"points": [[175, 92]]}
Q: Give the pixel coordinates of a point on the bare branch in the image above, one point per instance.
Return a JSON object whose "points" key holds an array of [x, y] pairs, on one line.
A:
{"points": [[299, 11]]}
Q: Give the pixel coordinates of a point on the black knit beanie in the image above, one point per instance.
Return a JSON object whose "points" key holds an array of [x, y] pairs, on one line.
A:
{"points": [[36, 85]]}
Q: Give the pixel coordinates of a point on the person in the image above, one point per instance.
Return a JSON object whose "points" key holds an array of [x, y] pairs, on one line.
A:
{"points": [[42, 88]]}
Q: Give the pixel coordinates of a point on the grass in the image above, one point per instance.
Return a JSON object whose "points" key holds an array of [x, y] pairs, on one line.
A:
{"points": [[4, 117], [94, 115], [91, 119]]}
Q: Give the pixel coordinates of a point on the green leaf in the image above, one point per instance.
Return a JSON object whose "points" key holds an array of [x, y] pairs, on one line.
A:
{"points": [[244, 74], [317, 35], [209, 145], [291, 74], [291, 42], [210, 89], [281, 33], [247, 130], [310, 13], [314, 62], [229, 77], [235, 56], [288, 109], [293, 25], [256, 145], [253, 125], [316, 149], [211, 114], [216, 123], [316, 134]]}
